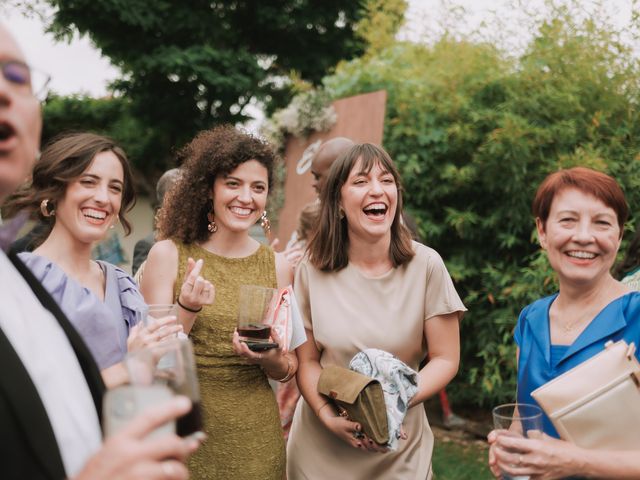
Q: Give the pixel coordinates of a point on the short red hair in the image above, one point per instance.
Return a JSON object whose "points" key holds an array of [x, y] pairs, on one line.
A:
{"points": [[589, 181]]}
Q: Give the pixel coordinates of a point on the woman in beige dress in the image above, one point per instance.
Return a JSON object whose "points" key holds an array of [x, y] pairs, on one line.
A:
{"points": [[365, 284]]}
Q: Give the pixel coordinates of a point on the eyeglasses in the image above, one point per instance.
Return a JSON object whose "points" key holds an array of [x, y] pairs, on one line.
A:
{"points": [[21, 74]]}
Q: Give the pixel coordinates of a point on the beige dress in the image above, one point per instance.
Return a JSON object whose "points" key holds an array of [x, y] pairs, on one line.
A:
{"points": [[349, 312]]}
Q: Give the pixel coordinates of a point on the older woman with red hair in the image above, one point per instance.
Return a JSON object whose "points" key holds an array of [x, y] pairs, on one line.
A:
{"points": [[580, 215]]}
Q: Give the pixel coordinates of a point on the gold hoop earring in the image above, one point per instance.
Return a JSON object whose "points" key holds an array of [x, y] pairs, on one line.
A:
{"points": [[212, 226], [265, 223], [46, 209]]}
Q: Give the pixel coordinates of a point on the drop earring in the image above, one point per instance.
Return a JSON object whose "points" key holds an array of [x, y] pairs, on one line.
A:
{"points": [[212, 226], [47, 209], [113, 225], [265, 223]]}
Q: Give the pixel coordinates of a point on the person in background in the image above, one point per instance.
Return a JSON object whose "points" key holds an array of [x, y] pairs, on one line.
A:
{"points": [[142, 246], [628, 269], [80, 188], [366, 284], [328, 152], [50, 388], [221, 193], [580, 215]]}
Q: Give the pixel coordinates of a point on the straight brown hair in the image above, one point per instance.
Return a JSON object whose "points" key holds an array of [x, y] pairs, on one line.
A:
{"points": [[329, 244]]}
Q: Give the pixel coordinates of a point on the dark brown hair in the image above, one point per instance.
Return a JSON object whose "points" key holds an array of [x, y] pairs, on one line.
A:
{"points": [[589, 181], [329, 244], [214, 152], [63, 160]]}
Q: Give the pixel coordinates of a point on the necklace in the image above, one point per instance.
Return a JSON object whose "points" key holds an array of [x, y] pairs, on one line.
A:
{"points": [[568, 327]]}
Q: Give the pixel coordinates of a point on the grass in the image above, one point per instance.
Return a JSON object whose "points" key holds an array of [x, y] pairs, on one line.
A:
{"points": [[456, 459]]}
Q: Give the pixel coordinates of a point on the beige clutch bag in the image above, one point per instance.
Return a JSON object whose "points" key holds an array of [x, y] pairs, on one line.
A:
{"points": [[596, 405]]}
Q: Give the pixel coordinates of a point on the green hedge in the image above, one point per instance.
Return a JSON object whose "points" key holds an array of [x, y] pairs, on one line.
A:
{"points": [[474, 131]]}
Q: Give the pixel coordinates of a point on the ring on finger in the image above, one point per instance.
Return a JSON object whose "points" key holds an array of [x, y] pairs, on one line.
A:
{"points": [[357, 434], [519, 460]]}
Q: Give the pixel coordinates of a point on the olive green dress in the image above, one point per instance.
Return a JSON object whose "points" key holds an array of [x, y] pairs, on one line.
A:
{"points": [[241, 417]]}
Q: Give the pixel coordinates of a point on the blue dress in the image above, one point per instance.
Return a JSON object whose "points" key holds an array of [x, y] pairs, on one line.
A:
{"points": [[103, 325], [540, 362]]}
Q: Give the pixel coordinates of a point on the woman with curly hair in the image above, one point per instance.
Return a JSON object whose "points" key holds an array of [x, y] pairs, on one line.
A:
{"points": [[81, 187], [220, 195]]}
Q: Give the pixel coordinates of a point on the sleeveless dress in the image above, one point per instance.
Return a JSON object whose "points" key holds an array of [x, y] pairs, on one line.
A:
{"points": [[240, 412]]}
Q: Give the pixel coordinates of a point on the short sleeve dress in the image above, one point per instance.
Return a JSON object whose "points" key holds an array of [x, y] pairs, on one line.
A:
{"points": [[241, 418], [349, 312], [103, 325]]}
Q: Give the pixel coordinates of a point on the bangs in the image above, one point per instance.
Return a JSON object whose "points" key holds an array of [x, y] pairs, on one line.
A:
{"points": [[369, 157]]}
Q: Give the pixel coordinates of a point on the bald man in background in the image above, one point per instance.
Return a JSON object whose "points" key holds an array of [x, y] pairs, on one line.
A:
{"points": [[327, 154]]}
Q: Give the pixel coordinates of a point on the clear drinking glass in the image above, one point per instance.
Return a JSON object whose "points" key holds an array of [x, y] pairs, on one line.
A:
{"points": [[255, 303], [156, 311], [518, 419], [121, 404], [170, 364]]}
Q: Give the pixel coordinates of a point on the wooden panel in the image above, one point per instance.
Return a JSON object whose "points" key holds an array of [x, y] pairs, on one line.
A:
{"points": [[360, 118]]}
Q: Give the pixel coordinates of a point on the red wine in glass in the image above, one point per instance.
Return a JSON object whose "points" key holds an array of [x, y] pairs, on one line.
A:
{"points": [[191, 422], [257, 331]]}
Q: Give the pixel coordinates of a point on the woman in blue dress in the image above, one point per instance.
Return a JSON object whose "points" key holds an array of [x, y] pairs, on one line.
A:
{"points": [[81, 187], [580, 215]]}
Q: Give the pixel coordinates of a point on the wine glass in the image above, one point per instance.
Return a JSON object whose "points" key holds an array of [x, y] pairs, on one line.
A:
{"points": [[518, 419], [157, 311], [170, 364], [255, 303]]}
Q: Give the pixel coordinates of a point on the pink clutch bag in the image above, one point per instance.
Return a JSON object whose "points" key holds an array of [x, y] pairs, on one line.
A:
{"points": [[596, 405]]}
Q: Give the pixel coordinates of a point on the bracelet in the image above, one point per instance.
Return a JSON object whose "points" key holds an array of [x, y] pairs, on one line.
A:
{"points": [[289, 374], [192, 310]]}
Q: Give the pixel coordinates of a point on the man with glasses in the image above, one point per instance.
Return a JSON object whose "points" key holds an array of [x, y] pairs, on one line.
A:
{"points": [[50, 388]]}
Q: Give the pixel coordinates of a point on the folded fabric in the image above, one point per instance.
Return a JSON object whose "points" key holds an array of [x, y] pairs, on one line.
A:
{"points": [[399, 385]]}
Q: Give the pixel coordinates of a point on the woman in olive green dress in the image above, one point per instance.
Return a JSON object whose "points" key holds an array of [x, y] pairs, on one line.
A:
{"points": [[205, 223]]}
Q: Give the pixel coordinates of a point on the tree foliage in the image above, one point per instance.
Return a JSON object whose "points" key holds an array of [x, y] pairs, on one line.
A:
{"points": [[188, 65], [474, 131]]}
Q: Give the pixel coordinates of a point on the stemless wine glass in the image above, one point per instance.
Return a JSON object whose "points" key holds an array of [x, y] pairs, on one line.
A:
{"points": [[254, 305], [156, 311], [121, 404], [170, 364], [518, 419]]}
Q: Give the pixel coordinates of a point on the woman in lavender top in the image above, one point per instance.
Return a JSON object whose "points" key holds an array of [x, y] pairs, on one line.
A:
{"points": [[81, 187]]}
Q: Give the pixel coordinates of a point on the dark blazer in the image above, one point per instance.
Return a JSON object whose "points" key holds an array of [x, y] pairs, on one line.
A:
{"points": [[28, 448]]}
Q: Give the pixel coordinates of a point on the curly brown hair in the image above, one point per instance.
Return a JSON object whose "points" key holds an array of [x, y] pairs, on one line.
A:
{"points": [[214, 152], [63, 160]]}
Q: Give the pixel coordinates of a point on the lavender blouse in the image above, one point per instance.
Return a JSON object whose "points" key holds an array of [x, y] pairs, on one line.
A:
{"points": [[104, 326]]}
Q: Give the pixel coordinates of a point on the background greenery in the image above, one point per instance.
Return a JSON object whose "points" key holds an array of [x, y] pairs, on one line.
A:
{"points": [[474, 130], [189, 65], [474, 126]]}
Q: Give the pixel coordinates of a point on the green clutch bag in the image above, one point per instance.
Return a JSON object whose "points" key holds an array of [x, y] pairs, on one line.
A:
{"points": [[361, 397]]}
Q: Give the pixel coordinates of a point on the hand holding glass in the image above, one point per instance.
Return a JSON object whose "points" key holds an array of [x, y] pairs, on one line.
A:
{"points": [[170, 364], [254, 306], [518, 419]]}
